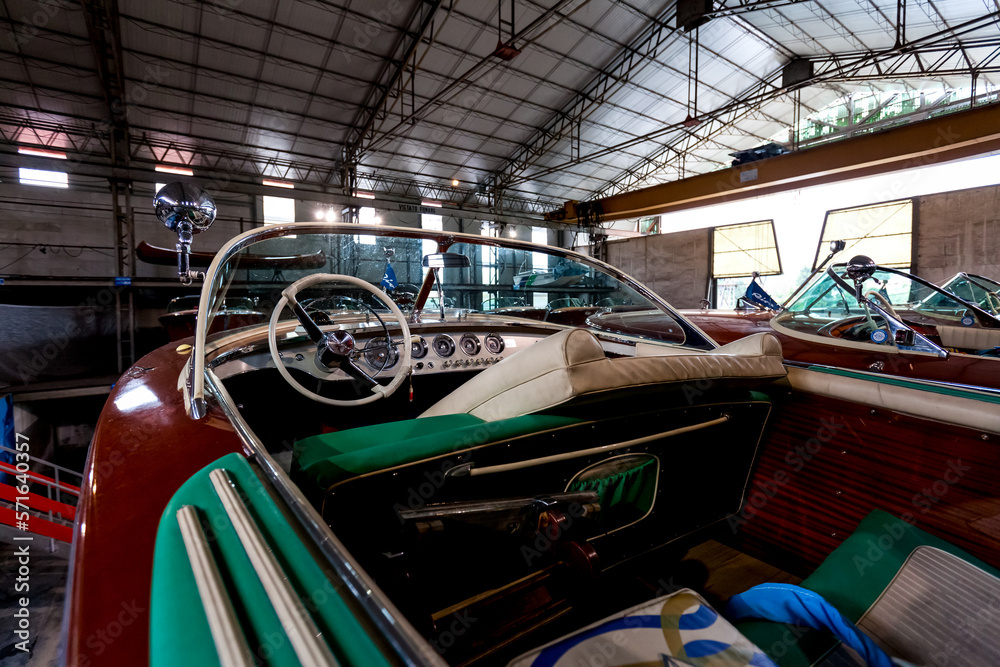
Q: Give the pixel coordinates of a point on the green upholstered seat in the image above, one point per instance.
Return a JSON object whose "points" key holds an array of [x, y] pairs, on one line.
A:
{"points": [[330, 457], [851, 578]]}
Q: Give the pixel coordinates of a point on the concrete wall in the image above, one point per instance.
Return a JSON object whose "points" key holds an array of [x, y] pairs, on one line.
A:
{"points": [[958, 231], [675, 266]]}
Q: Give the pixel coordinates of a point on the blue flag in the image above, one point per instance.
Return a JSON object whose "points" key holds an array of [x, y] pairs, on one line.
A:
{"points": [[389, 277], [756, 294]]}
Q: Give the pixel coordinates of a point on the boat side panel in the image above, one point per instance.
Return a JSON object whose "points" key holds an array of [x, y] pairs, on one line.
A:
{"points": [[725, 326], [144, 448], [827, 463]]}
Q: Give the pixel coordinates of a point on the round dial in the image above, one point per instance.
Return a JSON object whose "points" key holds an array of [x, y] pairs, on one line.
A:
{"points": [[379, 354], [418, 349], [444, 345], [469, 344], [494, 343]]}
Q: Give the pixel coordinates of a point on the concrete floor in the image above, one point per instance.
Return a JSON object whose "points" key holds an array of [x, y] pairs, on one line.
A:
{"points": [[47, 582]]}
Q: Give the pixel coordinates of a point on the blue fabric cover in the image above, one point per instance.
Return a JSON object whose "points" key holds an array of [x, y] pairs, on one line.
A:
{"points": [[786, 603]]}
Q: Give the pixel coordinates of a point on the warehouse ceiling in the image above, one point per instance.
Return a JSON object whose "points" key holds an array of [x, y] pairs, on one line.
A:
{"points": [[525, 103]]}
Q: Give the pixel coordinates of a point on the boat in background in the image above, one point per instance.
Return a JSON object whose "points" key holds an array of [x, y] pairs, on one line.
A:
{"points": [[980, 290], [182, 314]]}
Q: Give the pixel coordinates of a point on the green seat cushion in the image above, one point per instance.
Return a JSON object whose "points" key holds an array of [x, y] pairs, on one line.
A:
{"points": [[851, 578], [330, 457], [179, 634], [854, 575]]}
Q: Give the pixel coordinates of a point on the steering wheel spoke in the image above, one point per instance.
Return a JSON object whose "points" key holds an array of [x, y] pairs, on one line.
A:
{"points": [[334, 348], [356, 372], [312, 329]]}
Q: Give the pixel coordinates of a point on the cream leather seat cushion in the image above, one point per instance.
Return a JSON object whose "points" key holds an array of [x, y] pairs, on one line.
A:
{"points": [[968, 338], [571, 364]]}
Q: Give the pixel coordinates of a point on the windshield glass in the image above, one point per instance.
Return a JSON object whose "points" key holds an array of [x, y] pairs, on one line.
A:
{"points": [[981, 291], [505, 280], [827, 309]]}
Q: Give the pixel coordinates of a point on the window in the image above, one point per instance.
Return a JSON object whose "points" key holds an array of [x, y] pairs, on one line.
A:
{"points": [[48, 179], [539, 264], [432, 223], [366, 216], [737, 252], [278, 210], [883, 232]]}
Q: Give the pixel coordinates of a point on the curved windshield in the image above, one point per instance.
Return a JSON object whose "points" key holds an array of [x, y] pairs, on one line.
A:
{"points": [[979, 290], [826, 308], [488, 277]]}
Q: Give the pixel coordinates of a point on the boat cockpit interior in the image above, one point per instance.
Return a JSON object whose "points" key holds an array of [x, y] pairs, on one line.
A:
{"points": [[523, 490]]}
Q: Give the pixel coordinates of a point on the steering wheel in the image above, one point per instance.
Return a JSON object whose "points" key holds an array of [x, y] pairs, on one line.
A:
{"points": [[333, 348], [884, 302], [993, 300]]}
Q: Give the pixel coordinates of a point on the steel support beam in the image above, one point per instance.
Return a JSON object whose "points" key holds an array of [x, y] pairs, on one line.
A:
{"points": [[942, 139], [478, 69], [678, 140], [373, 109], [629, 60], [89, 151]]}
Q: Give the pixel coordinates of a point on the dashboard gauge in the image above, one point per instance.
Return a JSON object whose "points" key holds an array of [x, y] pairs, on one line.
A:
{"points": [[418, 348], [470, 344], [494, 343], [444, 345], [379, 354]]}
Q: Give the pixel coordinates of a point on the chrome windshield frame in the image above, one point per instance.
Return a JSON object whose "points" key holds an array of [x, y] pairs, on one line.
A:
{"points": [[193, 382], [921, 342]]}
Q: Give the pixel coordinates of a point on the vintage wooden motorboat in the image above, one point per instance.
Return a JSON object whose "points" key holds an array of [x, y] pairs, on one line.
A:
{"points": [[865, 317], [374, 488], [152, 254], [182, 314]]}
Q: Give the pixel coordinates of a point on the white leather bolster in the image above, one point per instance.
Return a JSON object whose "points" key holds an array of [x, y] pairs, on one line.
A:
{"points": [[571, 364], [968, 338]]}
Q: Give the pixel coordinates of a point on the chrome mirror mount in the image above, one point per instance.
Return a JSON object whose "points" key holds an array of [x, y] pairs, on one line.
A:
{"points": [[186, 210]]}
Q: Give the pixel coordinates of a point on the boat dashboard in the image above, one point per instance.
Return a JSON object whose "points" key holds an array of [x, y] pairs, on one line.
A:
{"points": [[438, 347]]}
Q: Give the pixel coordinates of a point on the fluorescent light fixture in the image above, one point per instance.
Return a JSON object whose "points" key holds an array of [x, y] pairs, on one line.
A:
{"points": [[48, 179], [279, 184], [435, 204], [365, 195], [180, 171], [40, 152]]}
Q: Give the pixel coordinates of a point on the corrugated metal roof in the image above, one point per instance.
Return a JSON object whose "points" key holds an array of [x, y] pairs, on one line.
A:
{"points": [[298, 79]]}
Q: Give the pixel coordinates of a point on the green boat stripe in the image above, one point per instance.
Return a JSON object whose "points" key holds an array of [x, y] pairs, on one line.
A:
{"points": [[910, 384]]}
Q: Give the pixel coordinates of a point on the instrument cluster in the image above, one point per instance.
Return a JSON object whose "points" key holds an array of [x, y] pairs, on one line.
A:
{"points": [[441, 351]]}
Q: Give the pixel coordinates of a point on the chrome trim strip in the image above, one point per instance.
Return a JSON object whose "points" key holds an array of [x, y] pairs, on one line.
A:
{"points": [[304, 636], [530, 463], [230, 643], [408, 644]]}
